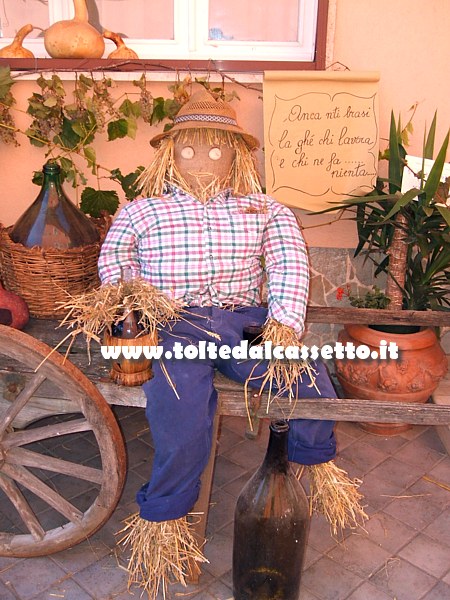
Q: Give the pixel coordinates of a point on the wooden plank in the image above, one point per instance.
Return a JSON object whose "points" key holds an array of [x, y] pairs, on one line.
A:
{"points": [[232, 402], [231, 394], [369, 316], [335, 409], [441, 397]]}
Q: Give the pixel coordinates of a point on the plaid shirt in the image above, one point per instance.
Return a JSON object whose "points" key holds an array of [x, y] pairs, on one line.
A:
{"points": [[210, 254]]}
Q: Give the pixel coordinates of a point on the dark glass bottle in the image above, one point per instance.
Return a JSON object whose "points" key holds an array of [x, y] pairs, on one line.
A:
{"points": [[53, 221], [271, 525], [129, 327], [253, 334]]}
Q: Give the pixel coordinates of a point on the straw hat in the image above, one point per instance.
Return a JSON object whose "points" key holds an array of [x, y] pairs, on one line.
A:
{"points": [[203, 110]]}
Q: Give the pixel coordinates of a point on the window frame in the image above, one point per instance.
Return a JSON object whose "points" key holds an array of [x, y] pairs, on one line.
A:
{"points": [[218, 59]]}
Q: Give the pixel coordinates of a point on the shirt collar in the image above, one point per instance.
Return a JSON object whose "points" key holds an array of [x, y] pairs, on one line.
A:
{"points": [[219, 198]]}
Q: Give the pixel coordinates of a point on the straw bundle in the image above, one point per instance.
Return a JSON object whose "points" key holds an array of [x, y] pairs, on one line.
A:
{"points": [[281, 375], [161, 553], [335, 495], [97, 311]]}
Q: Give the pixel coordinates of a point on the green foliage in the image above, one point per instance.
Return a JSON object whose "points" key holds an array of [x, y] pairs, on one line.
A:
{"points": [[127, 182], [426, 209], [67, 128], [373, 298], [93, 202]]}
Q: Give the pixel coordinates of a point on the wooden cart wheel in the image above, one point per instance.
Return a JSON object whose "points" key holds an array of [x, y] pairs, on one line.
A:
{"points": [[51, 502]]}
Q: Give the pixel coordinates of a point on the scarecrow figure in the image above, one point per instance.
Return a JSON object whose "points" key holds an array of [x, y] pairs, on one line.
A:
{"points": [[199, 236]]}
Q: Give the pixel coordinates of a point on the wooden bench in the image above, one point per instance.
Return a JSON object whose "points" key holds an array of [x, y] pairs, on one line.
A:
{"points": [[231, 398], [441, 397]]}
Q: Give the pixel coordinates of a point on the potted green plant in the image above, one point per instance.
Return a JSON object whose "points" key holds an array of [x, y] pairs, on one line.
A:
{"points": [[407, 235]]}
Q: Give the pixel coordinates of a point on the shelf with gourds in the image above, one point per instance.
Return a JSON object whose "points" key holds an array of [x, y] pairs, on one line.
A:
{"points": [[75, 45]]}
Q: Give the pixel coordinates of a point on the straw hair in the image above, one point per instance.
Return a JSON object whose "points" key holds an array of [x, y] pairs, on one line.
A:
{"points": [[202, 110], [161, 553]]}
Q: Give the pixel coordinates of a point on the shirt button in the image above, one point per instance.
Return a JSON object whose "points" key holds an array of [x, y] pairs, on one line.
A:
{"points": [[209, 228], [211, 256]]}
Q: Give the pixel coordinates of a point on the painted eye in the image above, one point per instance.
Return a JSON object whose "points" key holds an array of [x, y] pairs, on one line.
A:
{"points": [[215, 153], [187, 152]]}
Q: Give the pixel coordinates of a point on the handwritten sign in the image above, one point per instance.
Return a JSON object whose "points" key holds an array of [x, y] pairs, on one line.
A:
{"points": [[321, 136]]}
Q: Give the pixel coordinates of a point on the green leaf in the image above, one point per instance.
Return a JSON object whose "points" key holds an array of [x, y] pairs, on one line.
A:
{"points": [[445, 212], [86, 81], [128, 182], [50, 101], [94, 201], [132, 127], [36, 107], [42, 82], [171, 107], [38, 178], [117, 129], [68, 138], [435, 175], [395, 162], [129, 185], [6, 82], [31, 133], [55, 84], [428, 149], [130, 109], [66, 164], [405, 199], [90, 156], [159, 111]]}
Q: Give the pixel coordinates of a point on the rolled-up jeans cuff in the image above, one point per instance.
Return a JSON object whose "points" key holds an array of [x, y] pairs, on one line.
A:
{"points": [[168, 508]]}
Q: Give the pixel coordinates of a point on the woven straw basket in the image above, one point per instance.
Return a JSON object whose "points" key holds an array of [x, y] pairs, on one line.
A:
{"points": [[45, 276], [131, 371]]}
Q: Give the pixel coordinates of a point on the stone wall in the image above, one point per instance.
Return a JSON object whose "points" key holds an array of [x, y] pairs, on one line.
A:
{"points": [[332, 268]]}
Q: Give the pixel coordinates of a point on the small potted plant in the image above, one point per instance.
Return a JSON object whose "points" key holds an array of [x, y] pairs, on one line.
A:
{"points": [[410, 231]]}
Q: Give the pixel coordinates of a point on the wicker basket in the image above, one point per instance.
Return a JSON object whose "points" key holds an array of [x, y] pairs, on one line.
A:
{"points": [[44, 276], [131, 372]]}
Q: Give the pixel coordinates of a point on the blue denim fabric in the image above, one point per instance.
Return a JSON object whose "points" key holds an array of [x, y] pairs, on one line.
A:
{"points": [[182, 427]]}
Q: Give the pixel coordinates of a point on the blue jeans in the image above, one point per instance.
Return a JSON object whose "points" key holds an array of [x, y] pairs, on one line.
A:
{"points": [[182, 427]]}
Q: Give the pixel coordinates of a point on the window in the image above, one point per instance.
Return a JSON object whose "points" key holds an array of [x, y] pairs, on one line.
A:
{"points": [[241, 30]]}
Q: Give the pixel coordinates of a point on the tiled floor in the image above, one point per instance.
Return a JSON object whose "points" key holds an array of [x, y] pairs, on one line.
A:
{"points": [[403, 553]]}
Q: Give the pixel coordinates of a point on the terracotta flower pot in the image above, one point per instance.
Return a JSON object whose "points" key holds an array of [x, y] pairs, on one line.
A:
{"points": [[411, 378]]}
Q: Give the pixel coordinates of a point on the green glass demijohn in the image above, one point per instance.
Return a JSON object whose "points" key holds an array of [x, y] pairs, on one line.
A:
{"points": [[53, 221]]}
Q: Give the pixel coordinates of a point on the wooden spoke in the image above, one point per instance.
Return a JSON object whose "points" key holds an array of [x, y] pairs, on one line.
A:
{"points": [[27, 458], [20, 401], [35, 485], [23, 508], [21, 438], [65, 390]]}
